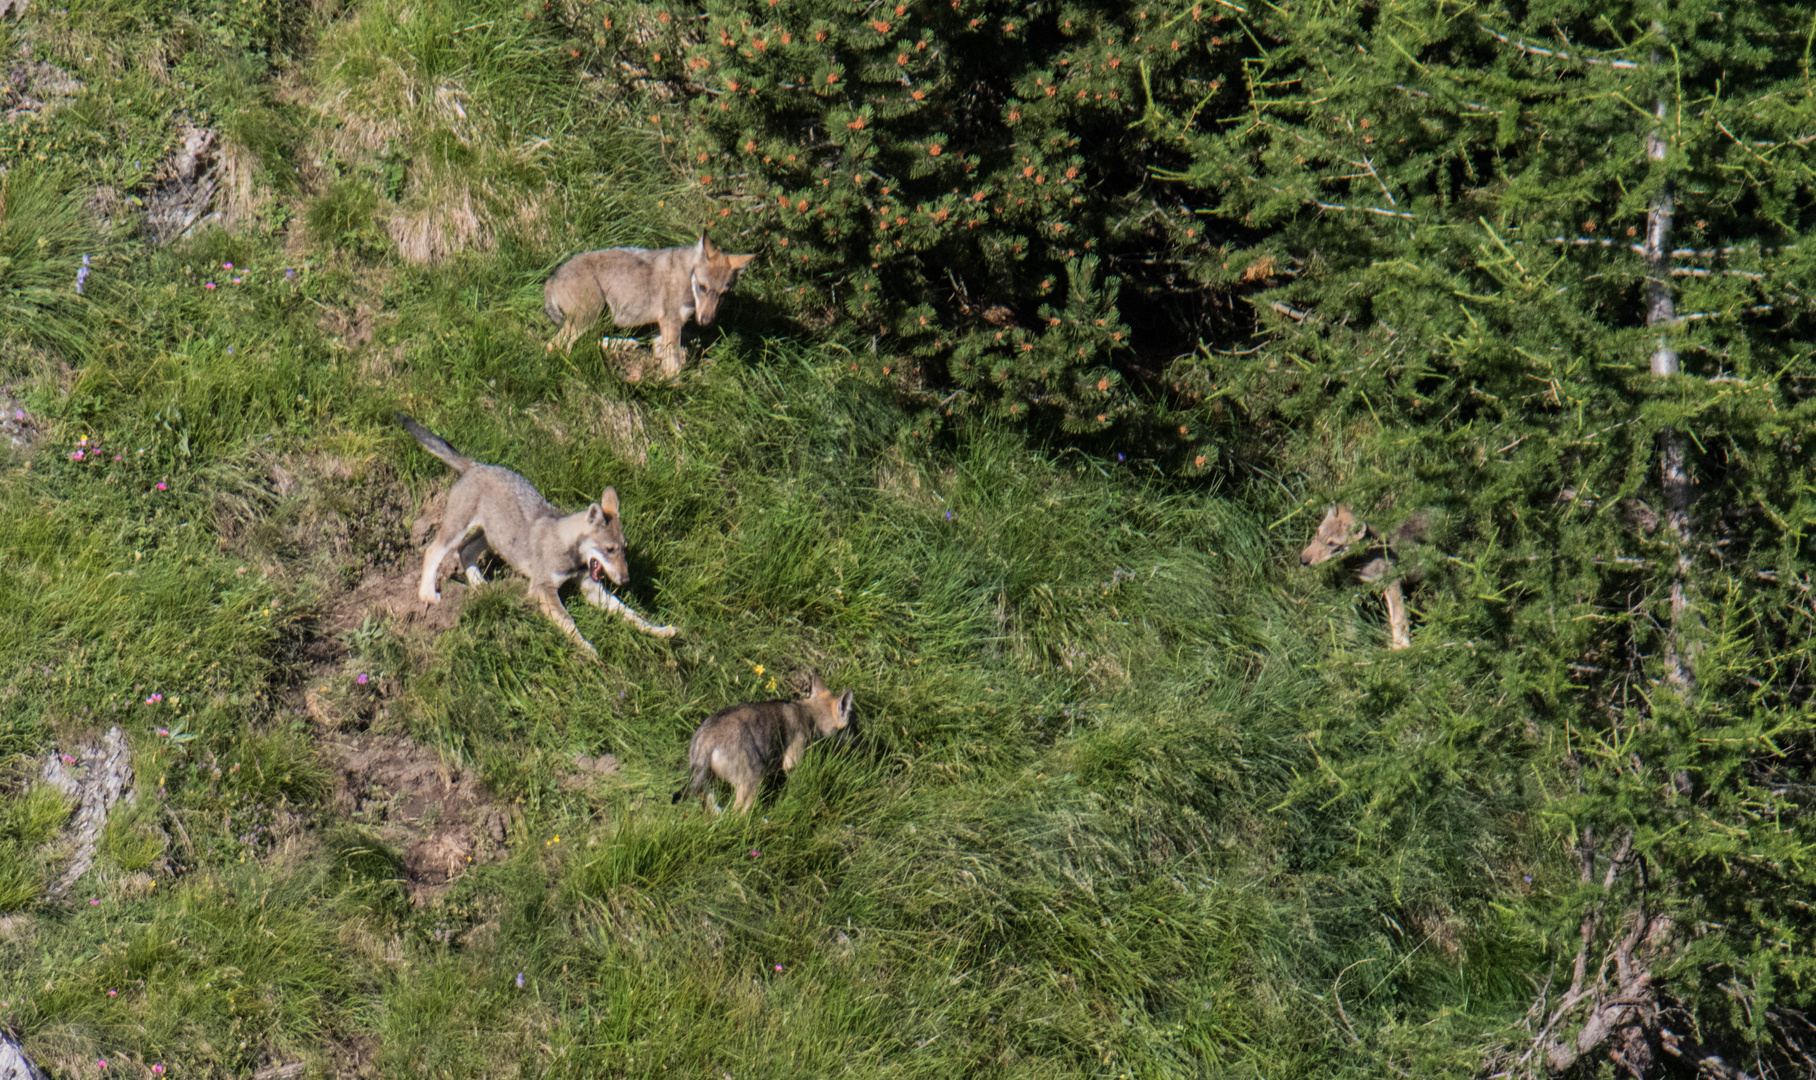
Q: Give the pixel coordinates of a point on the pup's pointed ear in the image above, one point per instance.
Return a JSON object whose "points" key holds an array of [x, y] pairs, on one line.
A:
{"points": [[705, 247], [1329, 509], [846, 703], [594, 515], [815, 687], [609, 501], [739, 262]]}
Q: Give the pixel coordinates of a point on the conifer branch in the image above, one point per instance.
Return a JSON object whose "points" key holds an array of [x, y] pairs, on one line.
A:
{"points": [[1558, 54]]}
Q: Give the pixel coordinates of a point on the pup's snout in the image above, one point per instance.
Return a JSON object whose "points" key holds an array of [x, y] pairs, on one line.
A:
{"points": [[1305, 560]]}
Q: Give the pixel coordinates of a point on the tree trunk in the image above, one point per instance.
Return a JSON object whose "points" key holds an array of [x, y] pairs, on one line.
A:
{"points": [[1674, 476]]}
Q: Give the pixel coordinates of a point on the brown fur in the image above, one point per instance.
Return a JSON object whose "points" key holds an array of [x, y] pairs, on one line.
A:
{"points": [[493, 508], [1341, 530], [745, 743], [666, 287]]}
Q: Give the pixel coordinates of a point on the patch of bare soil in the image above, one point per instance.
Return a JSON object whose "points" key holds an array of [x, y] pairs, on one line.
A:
{"points": [[30, 88], [19, 429], [588, 771], [183, 192], [439, 817]]}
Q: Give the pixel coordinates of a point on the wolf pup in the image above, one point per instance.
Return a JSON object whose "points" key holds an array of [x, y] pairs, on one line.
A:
{"points": [[743, 744], [1342, 530], [492, 508], [665, 287]]}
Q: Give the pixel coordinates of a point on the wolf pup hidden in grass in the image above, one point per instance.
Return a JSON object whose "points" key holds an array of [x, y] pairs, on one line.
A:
{"points": [[743, 744], [492, 508], [666, 287], [1342, 530]]}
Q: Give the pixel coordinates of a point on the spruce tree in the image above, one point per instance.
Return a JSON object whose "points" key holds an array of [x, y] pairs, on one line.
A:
{"points": [[1542, 267], [967, 181]]}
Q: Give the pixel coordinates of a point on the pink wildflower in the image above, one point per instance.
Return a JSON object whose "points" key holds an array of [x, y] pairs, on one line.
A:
{"points": [[78, 455], [361, 679], [209, 285], [158, 1069], [94, 903], [778, 967], [154, 699], [162, 486], [226, 266], [113, 993]]}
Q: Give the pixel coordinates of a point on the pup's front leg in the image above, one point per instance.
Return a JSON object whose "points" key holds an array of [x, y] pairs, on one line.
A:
{"points": [[668, 345], [552, 607], [604, 599]]}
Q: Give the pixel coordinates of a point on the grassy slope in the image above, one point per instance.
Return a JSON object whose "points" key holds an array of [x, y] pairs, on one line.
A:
{"points": [[1084, 830]]}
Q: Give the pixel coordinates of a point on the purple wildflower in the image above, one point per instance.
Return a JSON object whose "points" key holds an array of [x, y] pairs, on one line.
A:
{"points": [[778, 967], [362, 678], [82, 276], [158, 1069], [948, 515], [208, 285], [520, 980], [162, 486]]}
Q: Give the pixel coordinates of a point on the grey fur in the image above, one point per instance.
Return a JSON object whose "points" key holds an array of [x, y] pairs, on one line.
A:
{"points": [[745, 743], [666, 286], [493, 508], [1344, 535]]}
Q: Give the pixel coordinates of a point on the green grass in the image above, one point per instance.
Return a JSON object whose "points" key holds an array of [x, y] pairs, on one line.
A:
{"points": [[1105, 813]]}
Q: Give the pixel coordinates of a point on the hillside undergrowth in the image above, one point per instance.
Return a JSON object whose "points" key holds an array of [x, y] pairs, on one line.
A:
{"points": [[1130, 794]]}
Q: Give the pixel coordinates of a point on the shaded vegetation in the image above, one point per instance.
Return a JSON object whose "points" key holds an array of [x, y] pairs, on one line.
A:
{"points": [[1131, 794]]}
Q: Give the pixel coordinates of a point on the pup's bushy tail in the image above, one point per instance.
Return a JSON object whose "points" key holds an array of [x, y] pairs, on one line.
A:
{"points": [[703, 772], [435, 444], [695, 785]]}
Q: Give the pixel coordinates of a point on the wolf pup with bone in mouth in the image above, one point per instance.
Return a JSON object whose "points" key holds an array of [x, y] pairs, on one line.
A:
{"points": [[492, 508]]}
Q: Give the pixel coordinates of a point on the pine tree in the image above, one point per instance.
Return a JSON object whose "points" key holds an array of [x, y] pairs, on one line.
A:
{"points": [[1542, 267], [967, 181]]}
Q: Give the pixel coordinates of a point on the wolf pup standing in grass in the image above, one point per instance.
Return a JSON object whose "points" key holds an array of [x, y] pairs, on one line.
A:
{"points": [[666, 287], [492, 508], [743, 744], [1342, 530]]}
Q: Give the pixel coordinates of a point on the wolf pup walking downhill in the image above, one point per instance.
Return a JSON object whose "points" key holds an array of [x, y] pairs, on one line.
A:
{"points": [[1342, 530], [666, 287], [492, 508], [743, 744]]}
